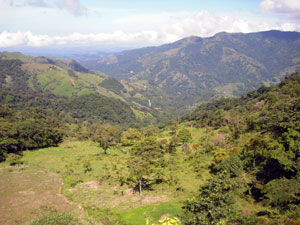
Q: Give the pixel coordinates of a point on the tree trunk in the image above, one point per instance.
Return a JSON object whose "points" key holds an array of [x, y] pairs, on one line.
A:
{"points": [[140, 187]]}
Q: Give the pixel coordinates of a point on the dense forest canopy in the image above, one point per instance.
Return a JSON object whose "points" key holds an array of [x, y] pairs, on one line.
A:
{"points": [[260, 159]]}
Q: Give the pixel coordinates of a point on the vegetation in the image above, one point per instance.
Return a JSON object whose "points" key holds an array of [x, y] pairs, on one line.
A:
{"points": [[260, 161], [231, 161], [20, 131], [201, 69], [55, 219]]}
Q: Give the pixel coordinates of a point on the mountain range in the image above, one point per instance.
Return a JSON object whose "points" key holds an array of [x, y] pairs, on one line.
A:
{"points": [[197, 69], [153, 84]]}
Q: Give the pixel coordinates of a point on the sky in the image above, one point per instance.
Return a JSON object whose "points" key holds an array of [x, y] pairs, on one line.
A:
{"points": [[136, 23]]}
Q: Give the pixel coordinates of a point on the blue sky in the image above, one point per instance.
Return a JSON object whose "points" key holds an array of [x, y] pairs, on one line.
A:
{"points": [[136, 23]]}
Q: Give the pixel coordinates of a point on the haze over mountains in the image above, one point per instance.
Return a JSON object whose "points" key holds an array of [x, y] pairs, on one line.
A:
{"points": [[198, 69]]}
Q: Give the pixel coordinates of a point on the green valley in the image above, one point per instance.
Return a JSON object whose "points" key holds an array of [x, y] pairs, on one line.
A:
{"points": [[200, 131], [231, 161]]}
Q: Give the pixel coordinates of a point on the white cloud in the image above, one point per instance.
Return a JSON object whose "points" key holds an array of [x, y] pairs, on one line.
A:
{"points": [[163, 28], [9, 39], [287, 8]]}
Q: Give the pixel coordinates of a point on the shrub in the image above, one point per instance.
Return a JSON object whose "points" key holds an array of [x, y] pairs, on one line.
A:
{"points": [[55, 219], [14, 159]]}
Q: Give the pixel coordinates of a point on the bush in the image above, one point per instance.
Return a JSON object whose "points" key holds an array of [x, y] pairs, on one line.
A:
{"points": [[55, 219], [14, 159]]}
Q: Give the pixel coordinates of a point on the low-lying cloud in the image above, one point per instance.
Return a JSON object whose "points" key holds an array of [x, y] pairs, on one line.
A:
{"points": [[171, 28]]}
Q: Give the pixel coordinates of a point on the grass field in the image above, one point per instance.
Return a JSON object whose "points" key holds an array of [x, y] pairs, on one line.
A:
{"points": [[89, 195]]}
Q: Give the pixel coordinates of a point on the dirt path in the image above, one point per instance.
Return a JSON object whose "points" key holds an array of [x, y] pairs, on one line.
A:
{"points": [[66, 200]]}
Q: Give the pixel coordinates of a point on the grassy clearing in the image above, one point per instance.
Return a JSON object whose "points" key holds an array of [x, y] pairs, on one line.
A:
{"points": [[153, 212], [92, 180], [60, 83]]}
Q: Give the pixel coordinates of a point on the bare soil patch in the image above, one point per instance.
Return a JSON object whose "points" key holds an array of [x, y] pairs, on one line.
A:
{"points": [[27, 194]]}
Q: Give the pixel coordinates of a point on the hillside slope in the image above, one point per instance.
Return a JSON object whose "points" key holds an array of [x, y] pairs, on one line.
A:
{"points": [[255, 140], [69, 79], [195, 68]]}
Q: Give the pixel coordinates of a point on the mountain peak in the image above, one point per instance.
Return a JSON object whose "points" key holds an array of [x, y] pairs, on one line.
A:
{"points": [[189, 40]]}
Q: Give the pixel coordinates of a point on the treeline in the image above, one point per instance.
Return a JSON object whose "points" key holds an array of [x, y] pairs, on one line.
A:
{"points": [[258, 161], [26, 131]]}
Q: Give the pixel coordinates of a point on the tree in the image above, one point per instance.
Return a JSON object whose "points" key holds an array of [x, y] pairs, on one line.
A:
{"points": [[150, 131], [107, 136], [174, 127], [140, 171], [130, 137], [172, 145], [145, 163], [31, 130], [184, 135], [212, 205]]}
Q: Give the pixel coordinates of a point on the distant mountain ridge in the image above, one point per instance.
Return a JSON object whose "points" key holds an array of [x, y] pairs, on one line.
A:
{"points": [[200, 69]]}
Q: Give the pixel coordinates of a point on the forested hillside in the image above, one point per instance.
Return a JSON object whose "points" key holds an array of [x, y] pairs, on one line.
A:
{"points": [[62, 86], [231, 161], [110, 160], [20, 90], [256, 158], [199, 69]]}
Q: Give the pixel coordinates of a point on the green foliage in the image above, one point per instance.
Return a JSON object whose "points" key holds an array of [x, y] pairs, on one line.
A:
{"points": [[283, 193], [87, 166], [146, 162], [184, 135], [172, 145], [100, 107], [167, 221], [57, 87], [113, 85], [150, 131], [264, 124], [130, 137], [55, 219], [107, 136], [14, 159], [19, 132], [213, 204]]}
